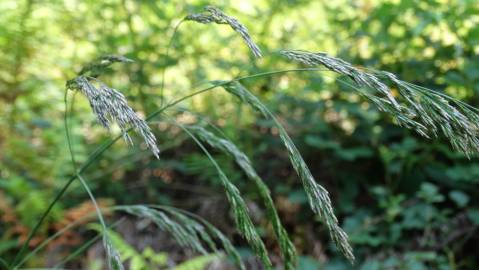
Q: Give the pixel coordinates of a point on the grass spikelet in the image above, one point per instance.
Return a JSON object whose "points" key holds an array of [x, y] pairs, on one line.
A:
{"points": [[238, 206], [243, 221], [426, 111], [114, 260], [215, 15], [288, 250], [109, 106], [318, 196], [340, 66]]}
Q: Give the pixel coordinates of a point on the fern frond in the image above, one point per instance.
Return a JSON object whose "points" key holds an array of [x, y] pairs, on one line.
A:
{"points": [[288, 250], [318, 196], [426, 111], [215, 15]]}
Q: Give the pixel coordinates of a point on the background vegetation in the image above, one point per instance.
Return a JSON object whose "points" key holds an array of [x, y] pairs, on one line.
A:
{"points": [[406, 202]]}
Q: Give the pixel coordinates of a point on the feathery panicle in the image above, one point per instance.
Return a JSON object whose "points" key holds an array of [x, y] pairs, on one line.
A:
{"points": [[109, 106], [437, 112], [194, 233], [317, 195], [342, 67], [426, 111], [215, 15], [287, 248]]}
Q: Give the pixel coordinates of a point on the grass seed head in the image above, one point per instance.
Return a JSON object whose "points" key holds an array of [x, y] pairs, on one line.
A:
{"points": [[109, 106], [215, 15]]}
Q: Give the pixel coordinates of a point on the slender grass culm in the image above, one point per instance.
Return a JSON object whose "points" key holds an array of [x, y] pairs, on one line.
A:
{"points": [[428, 112]]}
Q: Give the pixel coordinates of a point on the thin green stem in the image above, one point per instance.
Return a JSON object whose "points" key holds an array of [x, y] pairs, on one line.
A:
{"points": [[78, 251], [163, 74], [83, 247], [42, 218], [82, 180], [4, 264], [72, 156], [51, 238], [97, 208], [202, 118]]}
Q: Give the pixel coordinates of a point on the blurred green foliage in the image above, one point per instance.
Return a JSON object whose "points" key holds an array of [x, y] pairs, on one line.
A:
{"points": [[405, 201]]}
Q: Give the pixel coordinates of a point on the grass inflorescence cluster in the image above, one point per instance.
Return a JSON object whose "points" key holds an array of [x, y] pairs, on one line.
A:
{"points": [[428, 112]]}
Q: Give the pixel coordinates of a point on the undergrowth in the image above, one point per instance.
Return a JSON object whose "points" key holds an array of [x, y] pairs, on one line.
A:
{"points": [[425, 111]]}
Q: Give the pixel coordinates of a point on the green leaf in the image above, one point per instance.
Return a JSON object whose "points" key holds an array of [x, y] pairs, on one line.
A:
{"points": [[430, 193], [460, 198]]}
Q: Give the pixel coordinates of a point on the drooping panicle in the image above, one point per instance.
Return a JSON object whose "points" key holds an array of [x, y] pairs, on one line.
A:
{"points": [[340, 66], [318, 196], [109, 106], [215, 15], [426, 111]]}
